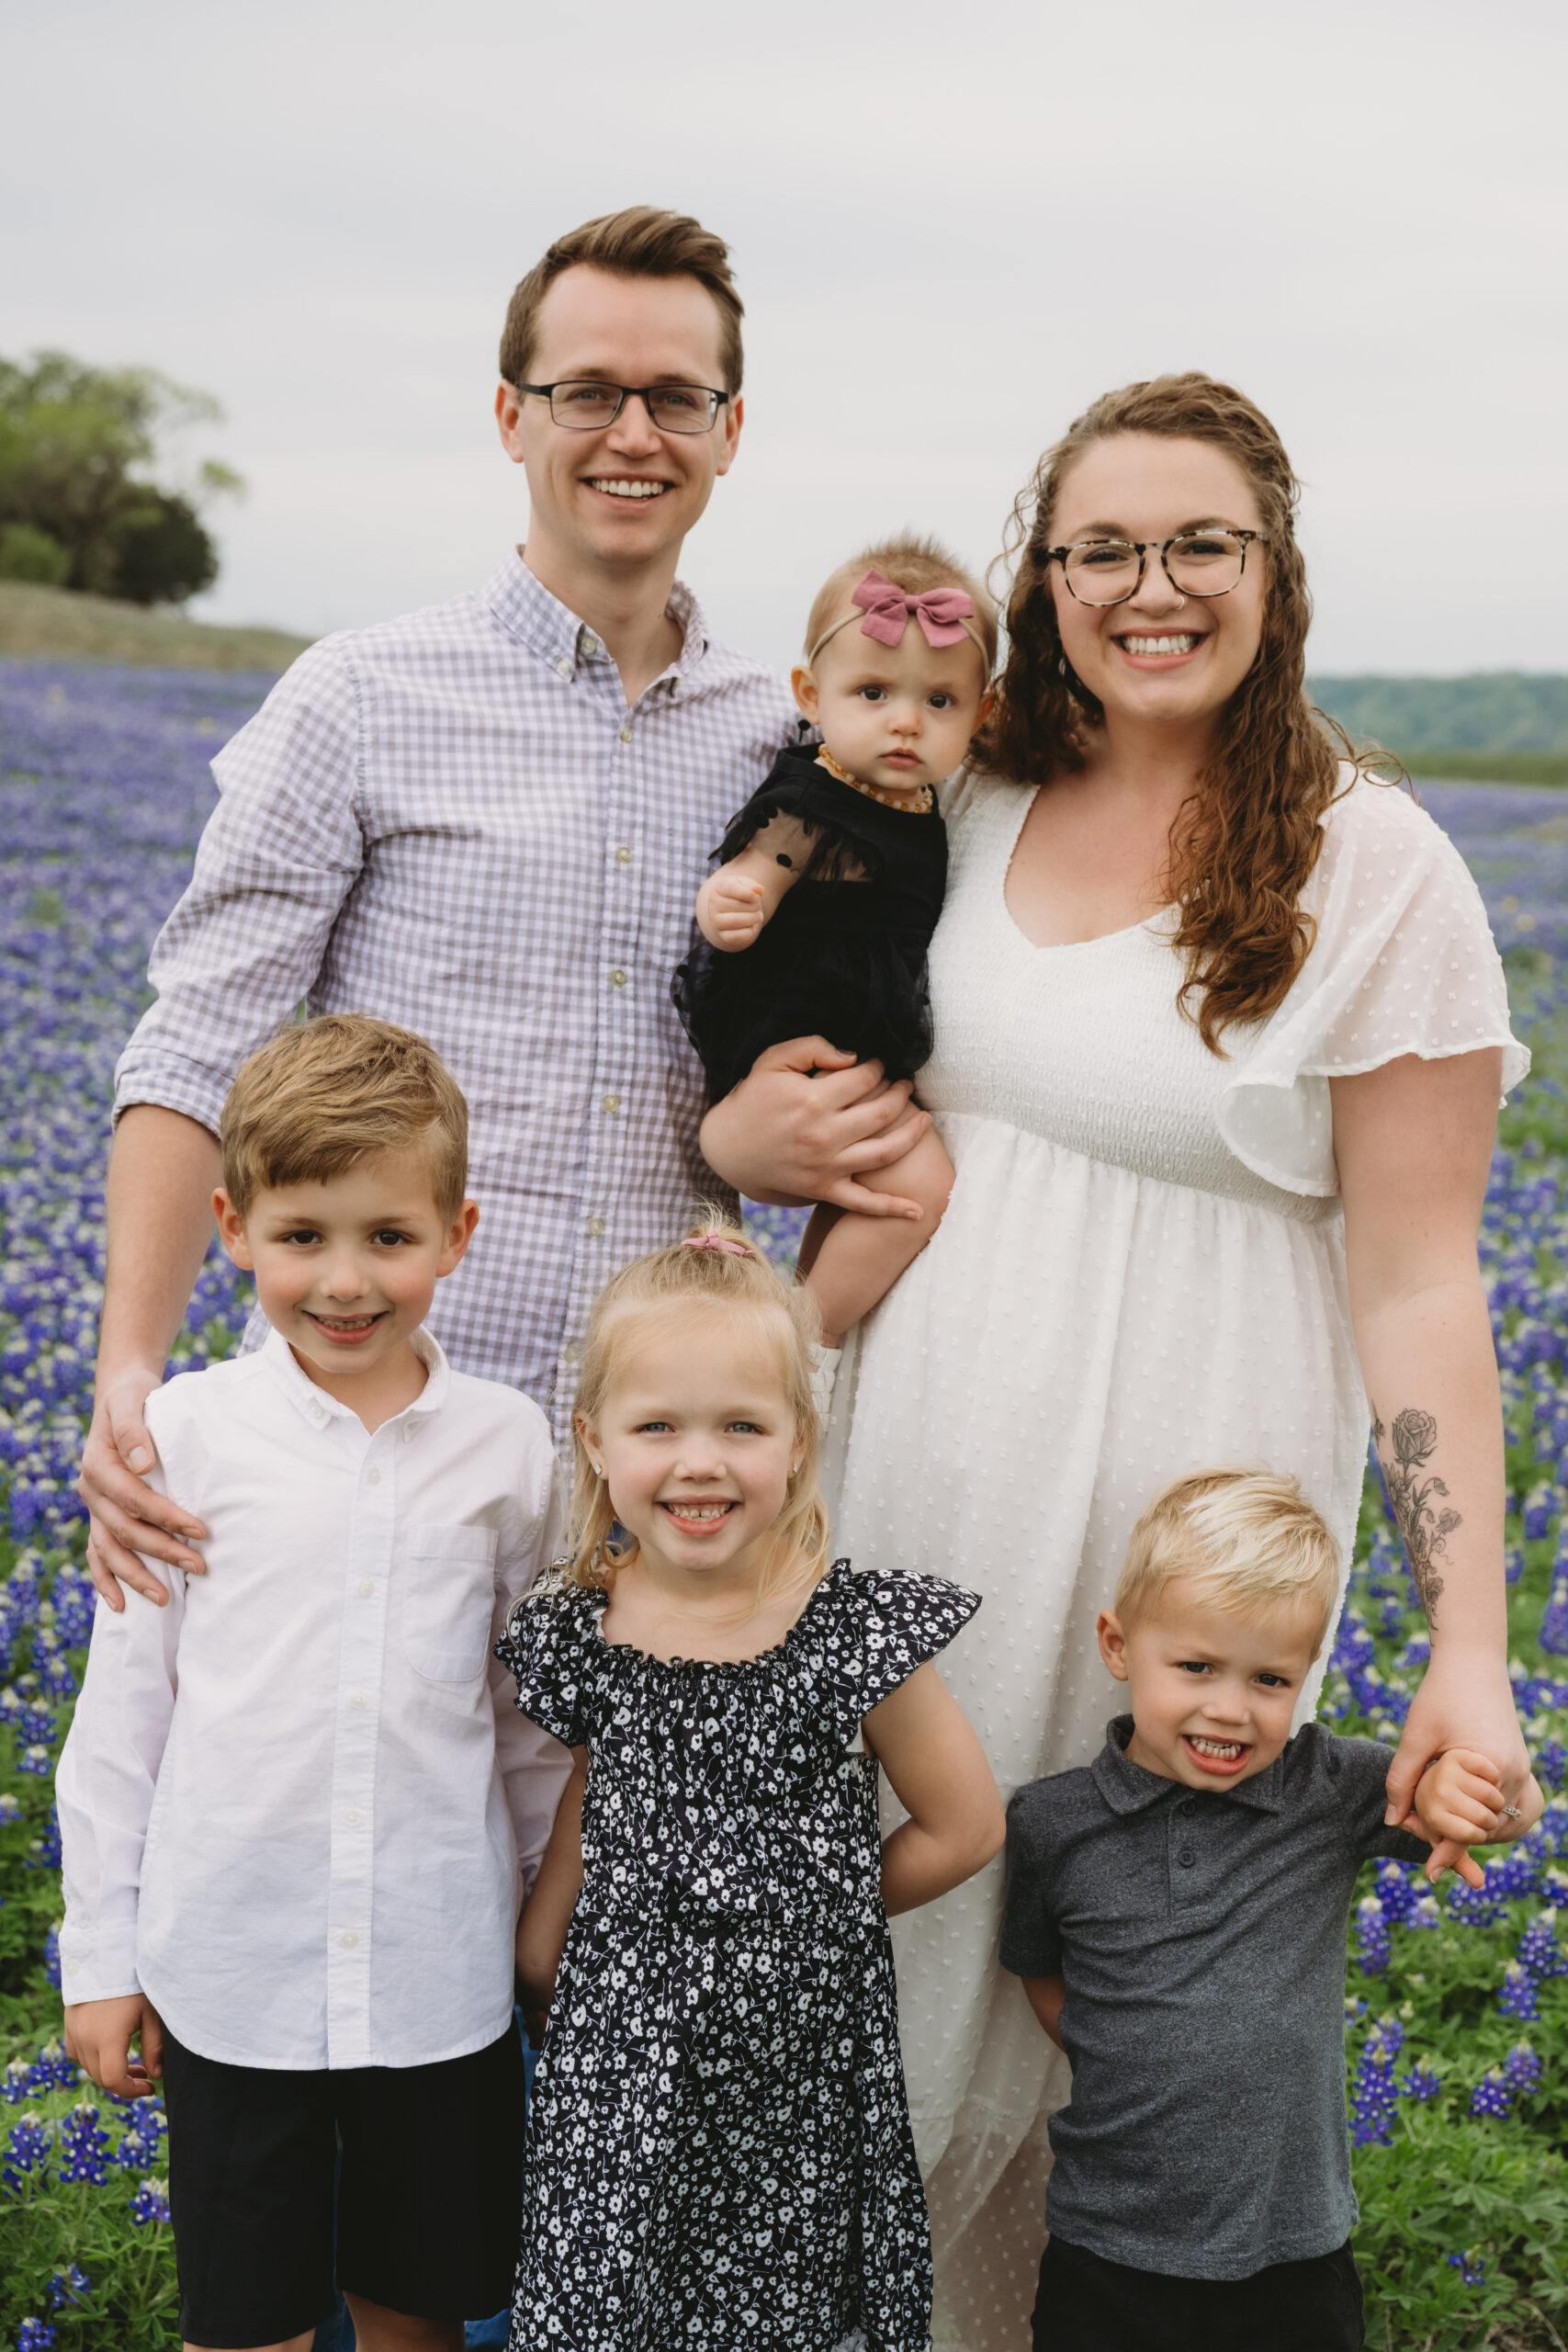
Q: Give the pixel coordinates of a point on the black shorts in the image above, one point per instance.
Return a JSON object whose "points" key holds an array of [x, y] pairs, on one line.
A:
{"points": [[428, 2201], [1087, 2304]]}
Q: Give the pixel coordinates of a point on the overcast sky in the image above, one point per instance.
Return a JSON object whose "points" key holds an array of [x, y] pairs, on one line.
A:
{"points": [[955, 225]]}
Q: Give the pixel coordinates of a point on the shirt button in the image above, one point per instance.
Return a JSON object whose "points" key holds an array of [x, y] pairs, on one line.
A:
{"points": [[589, 644], [626, 732], [570, 1351], [596, 1226], [624, 855], [1187, 1857], [352, 1819], [617, 978], [365, 1587], [372, 1477], [358, 1700], [611, 1102], [348, 1940], [564, 667], [1186, 1804]]}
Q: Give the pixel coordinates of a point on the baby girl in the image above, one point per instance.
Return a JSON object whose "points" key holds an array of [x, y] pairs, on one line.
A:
{"points": [[817, 919]]}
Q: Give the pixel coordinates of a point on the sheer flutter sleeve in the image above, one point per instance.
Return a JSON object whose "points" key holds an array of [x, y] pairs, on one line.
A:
{"points": [[1403, 962], [545, 1648]]}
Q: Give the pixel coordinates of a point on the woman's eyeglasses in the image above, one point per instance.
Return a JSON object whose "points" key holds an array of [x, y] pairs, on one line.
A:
{"points": [[1197, 563]]}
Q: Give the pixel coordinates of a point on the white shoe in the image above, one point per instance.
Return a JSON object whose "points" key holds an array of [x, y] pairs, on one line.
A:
{"points": [[824, 1372]]}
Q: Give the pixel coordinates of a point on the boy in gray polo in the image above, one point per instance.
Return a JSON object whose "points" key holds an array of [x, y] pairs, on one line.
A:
{"points": [[1177, 1912]]}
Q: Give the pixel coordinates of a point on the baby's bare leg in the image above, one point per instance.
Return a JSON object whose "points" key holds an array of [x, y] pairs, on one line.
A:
{"points": [[857, 1260]]}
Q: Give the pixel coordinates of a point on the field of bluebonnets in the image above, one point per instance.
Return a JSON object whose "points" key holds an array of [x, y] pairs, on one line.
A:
{"points": [[1457, 2012]]}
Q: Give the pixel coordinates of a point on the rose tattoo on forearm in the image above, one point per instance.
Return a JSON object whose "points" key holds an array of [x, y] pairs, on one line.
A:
{"points": [[1425, 1527]]}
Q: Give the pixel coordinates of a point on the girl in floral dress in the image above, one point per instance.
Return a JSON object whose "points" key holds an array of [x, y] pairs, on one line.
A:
{"points": [[719, 2150]]}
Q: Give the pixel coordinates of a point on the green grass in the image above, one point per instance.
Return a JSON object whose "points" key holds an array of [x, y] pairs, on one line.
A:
{"points": [[55, 625]]}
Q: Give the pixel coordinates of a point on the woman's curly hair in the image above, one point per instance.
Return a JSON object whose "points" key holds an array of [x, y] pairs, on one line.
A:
{"points": [[1244, 844]]}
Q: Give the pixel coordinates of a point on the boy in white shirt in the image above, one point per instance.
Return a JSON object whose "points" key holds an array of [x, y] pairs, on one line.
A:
{"points": [[298, 1808]]}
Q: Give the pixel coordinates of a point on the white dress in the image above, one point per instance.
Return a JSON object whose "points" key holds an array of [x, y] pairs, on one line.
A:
{"points": [[1141, 1273]]}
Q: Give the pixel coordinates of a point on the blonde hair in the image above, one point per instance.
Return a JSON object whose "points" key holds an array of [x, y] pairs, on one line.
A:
{"points": [[912, 564], [1247, 1538], [324, 1094], [663, 1294]]}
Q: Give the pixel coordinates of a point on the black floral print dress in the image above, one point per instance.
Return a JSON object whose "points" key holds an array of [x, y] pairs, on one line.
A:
{"points": [[719, 2152]]}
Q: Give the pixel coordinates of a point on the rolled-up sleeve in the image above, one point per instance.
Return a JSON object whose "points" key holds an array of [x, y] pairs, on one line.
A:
{"points": [[534, 1767], [279, 856]]}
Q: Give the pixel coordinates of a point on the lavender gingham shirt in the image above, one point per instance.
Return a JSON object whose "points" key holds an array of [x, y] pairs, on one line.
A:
{"points": [[453, 820]]}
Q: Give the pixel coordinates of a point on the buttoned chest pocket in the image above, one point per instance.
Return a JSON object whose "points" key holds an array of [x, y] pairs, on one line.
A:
{"points": [[449, 1600]]}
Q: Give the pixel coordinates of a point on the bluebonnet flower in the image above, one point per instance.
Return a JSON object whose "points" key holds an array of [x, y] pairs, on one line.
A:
{"points": [[1513, 1563], [1518, 1997], [1492, 2095], [51, 1957], [84, 2145], [26, 2148], [140, 2144], [35, 2335], [43, 1854], [52, 2069], [1372, 1941], [10, 1809], [17, 2082], [1373, 2094], [1540, 1954], [1537, 1513], [69, 2287], [1422, 2082], [1399, 1891], [1554, 1634], [1552, 1762], [150, 2202], [1475, 1906], [1354, 2011], [1522, 2069], [1471, 2265]]}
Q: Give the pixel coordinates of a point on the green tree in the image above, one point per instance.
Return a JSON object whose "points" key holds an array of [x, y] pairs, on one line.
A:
{"points": [[76, 503]]}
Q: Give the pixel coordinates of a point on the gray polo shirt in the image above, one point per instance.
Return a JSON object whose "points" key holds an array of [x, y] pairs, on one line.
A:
{"points": [[1201, 1935]]}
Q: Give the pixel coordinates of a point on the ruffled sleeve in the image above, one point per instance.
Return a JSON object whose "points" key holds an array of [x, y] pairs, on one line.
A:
{"points": [[1404, 962], [889, 1623], [545, 1648]]}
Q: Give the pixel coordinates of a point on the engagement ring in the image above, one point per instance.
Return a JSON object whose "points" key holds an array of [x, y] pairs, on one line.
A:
{"points": [[1512, 1813]]}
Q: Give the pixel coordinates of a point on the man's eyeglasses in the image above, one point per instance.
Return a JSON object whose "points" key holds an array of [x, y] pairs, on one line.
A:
{"points": [[1197, 563], [584, 407]]}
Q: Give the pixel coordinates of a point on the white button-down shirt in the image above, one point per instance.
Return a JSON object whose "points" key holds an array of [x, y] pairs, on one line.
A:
{"points": [[293, 1803], [453, 820]]}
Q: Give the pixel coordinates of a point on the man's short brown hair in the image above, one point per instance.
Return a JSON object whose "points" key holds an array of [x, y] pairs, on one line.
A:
{"points": [[641, 241], [324, 1094]]}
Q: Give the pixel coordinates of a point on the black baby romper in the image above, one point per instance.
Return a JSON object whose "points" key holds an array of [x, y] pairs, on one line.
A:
{"points": [[844, 957]]}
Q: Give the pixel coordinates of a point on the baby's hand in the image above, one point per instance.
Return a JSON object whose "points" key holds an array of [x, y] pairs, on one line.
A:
{"points": [[734, 910], [1459, 1803]]}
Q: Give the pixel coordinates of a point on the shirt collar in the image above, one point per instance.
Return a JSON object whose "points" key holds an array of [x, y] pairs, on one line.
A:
{"points": [[527, 611], [319, 1409], [1128, 1788]]}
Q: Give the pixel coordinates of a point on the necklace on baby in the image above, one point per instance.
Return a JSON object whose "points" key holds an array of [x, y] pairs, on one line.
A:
{"points": [[914, 804]]}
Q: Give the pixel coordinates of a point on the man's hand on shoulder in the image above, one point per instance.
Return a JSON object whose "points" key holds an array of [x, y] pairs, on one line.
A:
{"points": [[129, 1516], [1460, 1803], [98, 2035]]}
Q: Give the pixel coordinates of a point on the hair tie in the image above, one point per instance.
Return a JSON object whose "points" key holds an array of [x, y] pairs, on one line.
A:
{"points": [[946, 615], [719, 1244]]}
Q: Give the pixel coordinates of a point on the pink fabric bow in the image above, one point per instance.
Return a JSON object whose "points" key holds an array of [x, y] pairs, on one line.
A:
{"points": [[716, 1242], [941, 612]]}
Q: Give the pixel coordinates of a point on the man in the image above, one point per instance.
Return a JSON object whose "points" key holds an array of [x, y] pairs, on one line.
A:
{"points": [[486, 822]]}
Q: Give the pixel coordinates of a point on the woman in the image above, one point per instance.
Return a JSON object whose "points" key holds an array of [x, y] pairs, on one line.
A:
{"points": [[1221, 1035]]}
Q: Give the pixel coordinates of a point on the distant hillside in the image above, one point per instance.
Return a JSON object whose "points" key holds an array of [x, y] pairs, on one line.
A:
{"points": [[1493, 710], [57, 625]]}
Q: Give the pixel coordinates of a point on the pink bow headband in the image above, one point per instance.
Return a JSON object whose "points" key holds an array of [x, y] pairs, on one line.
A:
{"points": [[946, 615], [719, 1243]]}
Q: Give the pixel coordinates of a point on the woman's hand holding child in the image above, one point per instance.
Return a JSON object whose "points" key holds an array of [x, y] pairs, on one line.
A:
{"points": [[1460, 1802]]}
